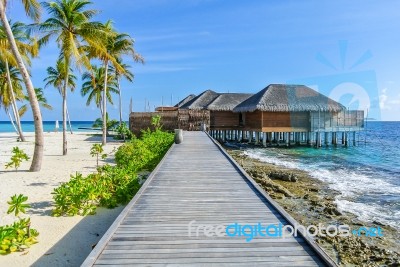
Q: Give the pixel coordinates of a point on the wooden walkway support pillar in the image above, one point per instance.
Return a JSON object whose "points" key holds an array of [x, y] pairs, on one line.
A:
{"points": [[257, 138], [287, 139], [326, 138], [334, 138], [346, 139], [264, 139]]}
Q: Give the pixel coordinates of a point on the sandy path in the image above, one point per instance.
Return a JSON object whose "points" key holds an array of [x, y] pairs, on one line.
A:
{"points": [[64, 241]]}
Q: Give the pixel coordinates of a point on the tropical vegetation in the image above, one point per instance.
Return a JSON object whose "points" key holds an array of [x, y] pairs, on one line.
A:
{"points": [[91, 47], [32, 10], [110, 185], [19, 235]]}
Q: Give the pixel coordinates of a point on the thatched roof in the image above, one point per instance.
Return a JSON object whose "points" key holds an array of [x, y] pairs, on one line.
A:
{"points": [[185, 100], [227, 101], [285, 98], [201, 101]]}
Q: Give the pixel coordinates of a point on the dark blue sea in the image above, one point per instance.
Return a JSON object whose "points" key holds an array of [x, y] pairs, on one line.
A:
{"points": [[367, 176]]}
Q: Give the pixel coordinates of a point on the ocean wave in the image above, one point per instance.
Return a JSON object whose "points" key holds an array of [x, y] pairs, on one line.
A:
{"points": [[353, 183], [370, 212]]}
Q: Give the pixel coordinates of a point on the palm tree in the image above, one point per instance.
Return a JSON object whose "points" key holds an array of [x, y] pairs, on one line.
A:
{"points": [[127, 74], [70, 24], [10, 89], [27, 46], [41, 99], [56, 78], [116, 44], [93, 88], [32, 9]]}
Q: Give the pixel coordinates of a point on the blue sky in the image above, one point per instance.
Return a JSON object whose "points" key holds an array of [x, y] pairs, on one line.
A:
{"points": [[348, 50]]}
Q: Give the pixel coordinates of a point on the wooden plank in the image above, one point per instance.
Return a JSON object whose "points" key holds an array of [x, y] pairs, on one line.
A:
{"points": [[210, 190]]}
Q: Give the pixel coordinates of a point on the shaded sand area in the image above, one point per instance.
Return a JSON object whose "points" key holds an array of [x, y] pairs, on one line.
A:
{"points": [[63, 241]]}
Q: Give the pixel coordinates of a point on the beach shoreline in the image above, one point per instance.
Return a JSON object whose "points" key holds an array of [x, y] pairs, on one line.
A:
{"points": [[312, 202], [63, 241]]}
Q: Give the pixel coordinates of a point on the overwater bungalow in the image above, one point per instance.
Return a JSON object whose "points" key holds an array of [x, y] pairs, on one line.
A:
{"points": [[278, 114], [297, 114], [221, 107]]}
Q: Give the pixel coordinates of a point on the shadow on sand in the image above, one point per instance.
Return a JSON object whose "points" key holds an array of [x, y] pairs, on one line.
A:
{"points": [[73, 248]]}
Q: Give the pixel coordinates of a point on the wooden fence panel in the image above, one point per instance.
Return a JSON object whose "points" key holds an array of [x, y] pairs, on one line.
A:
{"points": [[189, 120]]}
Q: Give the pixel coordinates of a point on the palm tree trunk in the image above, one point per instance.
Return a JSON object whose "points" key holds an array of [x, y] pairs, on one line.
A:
{"points": [[37, 116], [12, 121], [64, 111], [120, 101], [14, 104], [69, 122], [104, 139]]}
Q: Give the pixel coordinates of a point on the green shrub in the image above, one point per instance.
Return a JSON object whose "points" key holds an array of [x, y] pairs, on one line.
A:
{"points": [[19, 235], [112, 185], [95, 151], [144, 153], [123, 132], [18, 155]]}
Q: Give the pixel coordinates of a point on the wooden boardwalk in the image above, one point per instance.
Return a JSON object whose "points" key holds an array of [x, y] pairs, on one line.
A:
{"points": [[198, 183]]}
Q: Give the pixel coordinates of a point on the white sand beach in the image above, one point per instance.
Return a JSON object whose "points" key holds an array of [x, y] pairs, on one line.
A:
{"points": [[63, 241]]}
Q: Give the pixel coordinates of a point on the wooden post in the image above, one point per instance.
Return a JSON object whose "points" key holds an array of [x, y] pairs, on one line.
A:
{"points": [[346, 141], [287, 138], [257, 138], [264, 139], [326, 138], [270, 138], [308, 138], [343, 137], [354, 138], [250, 137], [223, 135], [334, 138]]}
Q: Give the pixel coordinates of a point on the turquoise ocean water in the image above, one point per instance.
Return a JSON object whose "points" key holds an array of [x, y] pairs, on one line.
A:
{"points": [[48, 126], [367, 176]]}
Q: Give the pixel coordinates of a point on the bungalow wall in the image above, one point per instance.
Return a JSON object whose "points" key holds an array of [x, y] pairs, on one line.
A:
{"points": [[252, 121], [285, 121], [349, 120], [221, 120]]}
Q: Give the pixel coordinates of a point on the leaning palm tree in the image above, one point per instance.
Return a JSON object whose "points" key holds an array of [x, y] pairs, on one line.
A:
{"points": [[70, 24], [57, 77], [10, 90], [28, 47], [41, 99], [116, 44], [93, 87], [32, 9]]}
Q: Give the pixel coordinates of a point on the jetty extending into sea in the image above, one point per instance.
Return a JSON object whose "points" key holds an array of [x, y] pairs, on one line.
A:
{"points": [[198, 185]]}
